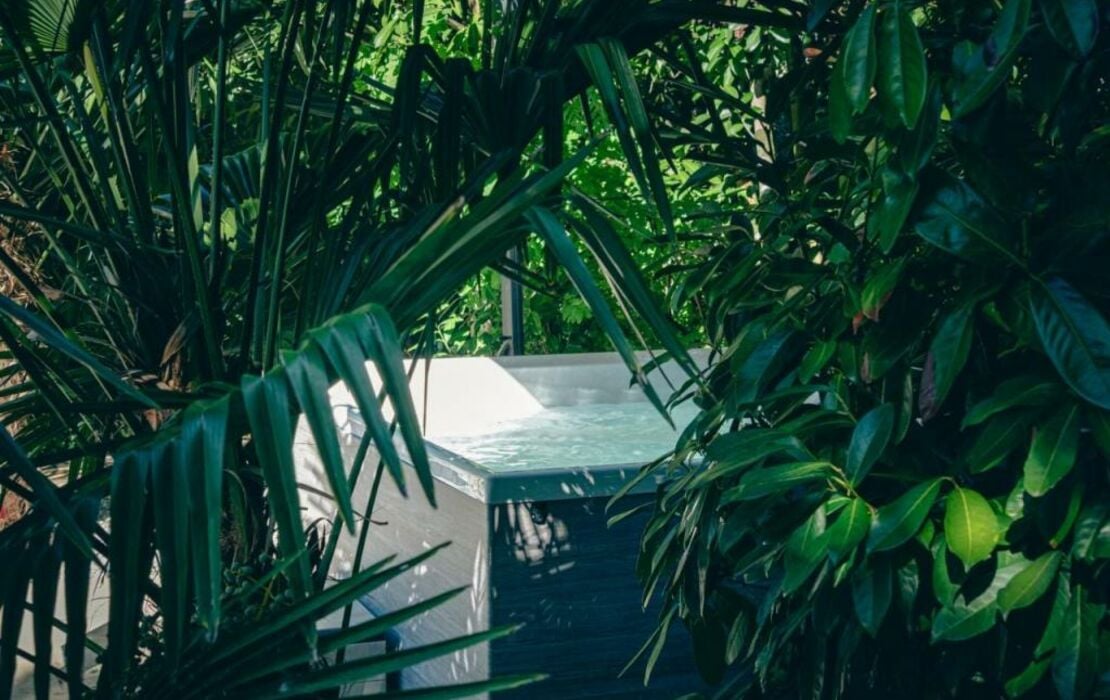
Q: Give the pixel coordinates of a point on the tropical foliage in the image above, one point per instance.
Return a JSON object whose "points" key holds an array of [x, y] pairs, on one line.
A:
{"points": [[213, 214], [898, 486]]}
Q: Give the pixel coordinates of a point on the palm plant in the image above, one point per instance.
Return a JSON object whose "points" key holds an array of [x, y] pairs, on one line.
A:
{"points": [[214, 218]]}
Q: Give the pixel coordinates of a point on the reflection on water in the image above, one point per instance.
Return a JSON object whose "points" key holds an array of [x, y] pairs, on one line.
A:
{"points": [[572, 436]]}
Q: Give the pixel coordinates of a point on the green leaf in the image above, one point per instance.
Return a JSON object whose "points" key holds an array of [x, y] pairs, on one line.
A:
{"points": [[125, 555], [815, 359], [849, 529], [971, 528], [1027, 390], [308, 378], [980, 70], [200, 455], [954, 218], [169, 492], [961, 621], [1072, 23], [897, 522], [1052, 454], [899, 192], [998, 438], [860, 59], [840, 108], [872, 590], [270, 414], [1030, 583], [769, 481], [869, 439], [805, 549], [947, 356], [1075, 665], [943, 588], [902, 73], [1076, 338]]}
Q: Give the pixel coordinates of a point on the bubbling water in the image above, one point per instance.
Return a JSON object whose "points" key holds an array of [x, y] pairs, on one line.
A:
{"points": [[586, 435]]}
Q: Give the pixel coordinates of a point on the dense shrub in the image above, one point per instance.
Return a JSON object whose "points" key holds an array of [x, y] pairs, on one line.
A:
{"points": [[905, 425]]}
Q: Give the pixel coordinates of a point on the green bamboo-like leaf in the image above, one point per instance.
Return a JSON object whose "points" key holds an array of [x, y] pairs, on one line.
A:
{"points": [[900, 520], [308, 378], [901, 59], [78, 566], [872, 590], [1052, 454], [46, 493], [840, 106], [44, 594], [556, 237], [270, 413], [56, 341], [869, 440], [169, 494], [382, 342], [340, 343], [860, 59], [947, 355], [1076, 338], [1075, 665], [199, 453], [641, 126], [1031, 583], [981, 70], [15, 578], [971, 528], [849, 529], [351, 671], [954, 218], [777, 479], [1072, 23], [130, 475]]}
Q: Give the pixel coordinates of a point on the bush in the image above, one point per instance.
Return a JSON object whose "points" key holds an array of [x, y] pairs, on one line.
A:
{"points": [[905, 426]]}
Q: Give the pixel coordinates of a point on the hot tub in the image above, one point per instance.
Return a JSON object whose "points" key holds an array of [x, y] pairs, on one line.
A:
{"points": [[526, 452]]}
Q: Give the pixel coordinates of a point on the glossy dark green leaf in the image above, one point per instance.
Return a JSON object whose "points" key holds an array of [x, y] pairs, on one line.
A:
{"points": [[944, 590], [902, 73], [1075, 665], [896, 522], [1030, 583], [804, 552], [1072, 23], [840, 107], [998, 438], [961, 621], [980, 70], [869, 440], [768, 481], [860, 59], [1052, 454], [1025, 390], [899, 192], [872, 591], [815, 359], [1076, 338], [947, 355], [954, 218], [849, 529], [971, 528]]}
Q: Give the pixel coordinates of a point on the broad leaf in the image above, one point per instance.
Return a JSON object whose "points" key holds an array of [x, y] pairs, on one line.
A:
{"points": [[954, 218], [897, 522], [872, 590], [902, 74], [1076, 338], [805, 550], [849, 529], [1026, 390], [947, 356], [869, 439], [971, 527], [1052, 454], [860, 60], [769, 481], [1076, 663], [1072, 23], [1030, 583], [981, 69]]}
